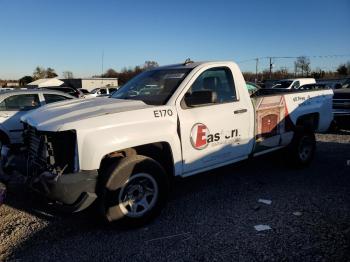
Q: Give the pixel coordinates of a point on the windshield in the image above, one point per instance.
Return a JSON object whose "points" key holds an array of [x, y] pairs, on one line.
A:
{"points": [[95, 90], [153, 87], [282, 84], [84, 91]]}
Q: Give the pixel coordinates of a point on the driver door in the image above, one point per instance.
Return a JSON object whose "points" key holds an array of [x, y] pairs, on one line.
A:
{"points": [[214, 131]]}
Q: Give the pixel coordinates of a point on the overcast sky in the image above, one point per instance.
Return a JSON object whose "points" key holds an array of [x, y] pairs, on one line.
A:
{"points": [[72, 35]]}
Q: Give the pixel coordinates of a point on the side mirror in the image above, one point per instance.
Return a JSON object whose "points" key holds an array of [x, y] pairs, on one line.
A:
{"points": [[202, 97]]}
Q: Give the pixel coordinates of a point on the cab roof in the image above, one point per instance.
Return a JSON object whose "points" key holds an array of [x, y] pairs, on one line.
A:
{"points": [[190, 64]]}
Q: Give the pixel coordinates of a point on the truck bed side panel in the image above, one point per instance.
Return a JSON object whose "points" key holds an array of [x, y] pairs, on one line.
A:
{"points": [[277, 115]]}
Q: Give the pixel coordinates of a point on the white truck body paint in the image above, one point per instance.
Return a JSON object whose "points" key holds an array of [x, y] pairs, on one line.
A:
{"points": [[311, 102]]}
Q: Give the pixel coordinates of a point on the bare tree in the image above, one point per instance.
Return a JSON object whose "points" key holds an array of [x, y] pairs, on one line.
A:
{"points": [[110, 73], [318, 73], [50, 73], [67, 74], [25, 80], [150, 64], [39, 73], [303, 64], [342, 70]]}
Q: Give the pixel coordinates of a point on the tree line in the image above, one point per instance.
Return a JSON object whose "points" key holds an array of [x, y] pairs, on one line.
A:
{"points": [[127, 73], [41, 72], [123, 76], [302, 68]]}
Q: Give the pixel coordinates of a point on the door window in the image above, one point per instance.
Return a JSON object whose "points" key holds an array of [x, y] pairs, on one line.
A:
{"points": [[218, 81], [111, 90], [103, 91], [52, 98], [296, 85], [23, 102]]}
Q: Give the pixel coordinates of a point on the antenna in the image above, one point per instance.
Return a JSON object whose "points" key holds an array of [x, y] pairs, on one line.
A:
{"points": [[188, 61]]}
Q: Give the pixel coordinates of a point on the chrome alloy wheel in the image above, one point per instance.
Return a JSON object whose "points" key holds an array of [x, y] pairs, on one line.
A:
{"points": [[138, 195]]}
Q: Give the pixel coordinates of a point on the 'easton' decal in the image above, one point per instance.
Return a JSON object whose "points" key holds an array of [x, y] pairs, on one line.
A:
{"points": [[201, 137]]}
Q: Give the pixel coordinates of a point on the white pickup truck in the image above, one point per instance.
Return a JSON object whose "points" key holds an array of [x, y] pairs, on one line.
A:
{"points": [[176, 120]]}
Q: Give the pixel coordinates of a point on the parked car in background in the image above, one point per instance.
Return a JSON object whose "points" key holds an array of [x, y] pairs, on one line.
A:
{"points": [[335, 83], [103, 91], [341, 106], [5, 89], [252, 87], [76, 92], [87, 94], [293, 83], [14, 104], [313, 86], [84, 91]]}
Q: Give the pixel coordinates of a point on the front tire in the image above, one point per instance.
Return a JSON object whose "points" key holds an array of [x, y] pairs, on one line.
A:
{"points": [[133, 192]]}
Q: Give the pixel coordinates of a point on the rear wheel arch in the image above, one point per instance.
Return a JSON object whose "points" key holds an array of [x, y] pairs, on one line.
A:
{"points": [[309, 122]]}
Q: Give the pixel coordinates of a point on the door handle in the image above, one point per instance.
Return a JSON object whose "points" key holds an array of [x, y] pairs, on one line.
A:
{"points": [[240, 111]]}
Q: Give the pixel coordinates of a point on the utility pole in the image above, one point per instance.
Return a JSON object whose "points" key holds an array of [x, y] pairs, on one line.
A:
{"points": [[103, 54], [270, 67], [256, 70]]}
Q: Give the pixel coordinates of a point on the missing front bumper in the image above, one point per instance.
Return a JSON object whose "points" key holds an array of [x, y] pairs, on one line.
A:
{"points": [[71, 192]]}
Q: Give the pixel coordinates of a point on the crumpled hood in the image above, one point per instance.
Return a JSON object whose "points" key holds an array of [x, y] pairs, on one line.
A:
{"points": [[58, 114]]}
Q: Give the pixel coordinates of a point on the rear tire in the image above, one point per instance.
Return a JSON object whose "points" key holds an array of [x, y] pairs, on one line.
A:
{"points": [[302, 148], [2, 193], [3, 159], [3, 142], [133, 191]]}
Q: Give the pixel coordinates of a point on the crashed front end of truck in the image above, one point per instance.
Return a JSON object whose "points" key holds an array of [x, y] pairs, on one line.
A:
{"points": [[53, 168]]}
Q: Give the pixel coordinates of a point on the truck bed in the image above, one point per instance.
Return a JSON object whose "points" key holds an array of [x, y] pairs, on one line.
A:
{"points": [[278, 112]]}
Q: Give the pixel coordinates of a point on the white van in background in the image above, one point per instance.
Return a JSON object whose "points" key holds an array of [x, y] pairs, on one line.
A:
{"points": [[293, 83]]}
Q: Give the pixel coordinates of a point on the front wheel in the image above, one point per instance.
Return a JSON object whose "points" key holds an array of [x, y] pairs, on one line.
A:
{"points": [[134, 191], [302, 148]]}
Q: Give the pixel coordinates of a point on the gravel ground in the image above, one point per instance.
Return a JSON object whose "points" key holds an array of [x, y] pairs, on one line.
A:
{"points": [[210, 217]]}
